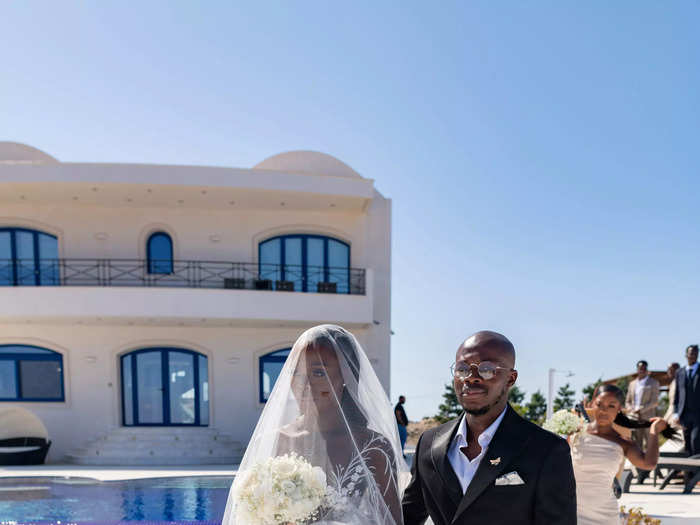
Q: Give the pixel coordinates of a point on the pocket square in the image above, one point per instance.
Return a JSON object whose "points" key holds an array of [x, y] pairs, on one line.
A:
{"points": [[512, 478]]}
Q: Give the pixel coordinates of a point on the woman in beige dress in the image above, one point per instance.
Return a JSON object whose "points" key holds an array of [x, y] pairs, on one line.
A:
{"points": [[597, 452]]}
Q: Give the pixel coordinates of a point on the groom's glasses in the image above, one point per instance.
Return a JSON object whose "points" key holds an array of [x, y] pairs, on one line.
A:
{"points": [[486, 370]]}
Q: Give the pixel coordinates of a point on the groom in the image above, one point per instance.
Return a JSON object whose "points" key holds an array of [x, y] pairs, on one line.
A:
{"points": [[489, 466]]}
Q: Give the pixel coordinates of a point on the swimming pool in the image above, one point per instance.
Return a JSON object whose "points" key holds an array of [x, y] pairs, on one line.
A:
{"points": [[191, 500]]}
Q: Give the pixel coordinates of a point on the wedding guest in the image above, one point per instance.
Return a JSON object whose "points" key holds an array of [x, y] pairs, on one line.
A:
{"points": [[671, 373], [598, 451], [641, 402], [401, 421], [640, 405], [686, 404]]}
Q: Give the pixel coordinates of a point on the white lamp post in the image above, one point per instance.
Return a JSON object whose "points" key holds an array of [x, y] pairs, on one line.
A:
{"points": [[550, 389]]}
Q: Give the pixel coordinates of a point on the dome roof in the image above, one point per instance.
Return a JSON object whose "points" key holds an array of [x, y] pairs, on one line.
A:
{"points": [[309, 163], [17, 422], [16, 153]]}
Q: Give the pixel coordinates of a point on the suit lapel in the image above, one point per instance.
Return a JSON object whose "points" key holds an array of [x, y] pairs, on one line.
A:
{"points": [[438, 451], [507, 442]]}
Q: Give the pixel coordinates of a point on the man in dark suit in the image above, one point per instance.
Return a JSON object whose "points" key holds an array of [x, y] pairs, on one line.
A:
{"points": [[686, 403], [489, 466]]}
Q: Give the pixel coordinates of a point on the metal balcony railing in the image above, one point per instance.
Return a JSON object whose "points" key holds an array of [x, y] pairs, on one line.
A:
{"points": [[181, 274]]}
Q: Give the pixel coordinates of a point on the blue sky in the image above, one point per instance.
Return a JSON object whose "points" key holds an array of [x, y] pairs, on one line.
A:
{"points": [[542, 157]]}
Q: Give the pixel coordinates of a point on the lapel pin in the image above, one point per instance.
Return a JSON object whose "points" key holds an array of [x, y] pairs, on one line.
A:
{"points": [[496, 461]]}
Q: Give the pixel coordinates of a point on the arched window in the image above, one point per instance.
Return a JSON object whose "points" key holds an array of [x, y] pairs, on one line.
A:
{"points": [[30, 373], [270, 367], [164, 387], [160, 253], [312, 263], [28, 258]]}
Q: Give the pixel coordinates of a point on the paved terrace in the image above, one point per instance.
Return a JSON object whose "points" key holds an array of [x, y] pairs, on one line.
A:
{"points": [[670, 505]]}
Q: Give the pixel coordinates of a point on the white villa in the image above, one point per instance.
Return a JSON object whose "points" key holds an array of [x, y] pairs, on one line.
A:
{"points": [[146, 310]]}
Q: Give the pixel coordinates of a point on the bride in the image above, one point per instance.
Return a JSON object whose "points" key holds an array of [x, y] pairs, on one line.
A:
{"points": [[328, 407], [598, 452]]}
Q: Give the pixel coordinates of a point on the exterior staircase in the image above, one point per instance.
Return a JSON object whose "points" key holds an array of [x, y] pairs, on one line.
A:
{"points": [[159, 446]]}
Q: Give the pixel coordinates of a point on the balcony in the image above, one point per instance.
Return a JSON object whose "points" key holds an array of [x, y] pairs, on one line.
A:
{"points": [[181, 274], [182, 292]]}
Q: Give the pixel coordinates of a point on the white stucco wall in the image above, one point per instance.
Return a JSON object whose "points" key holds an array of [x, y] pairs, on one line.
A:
{"points": [[198, 234], [212, 214], [91, 372]]}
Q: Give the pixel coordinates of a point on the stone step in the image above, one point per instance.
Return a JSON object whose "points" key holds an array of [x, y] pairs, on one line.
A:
{"points": [[221, 438], [154, 460], [159, 445], [170, 431], [148, 447], [191, 447]]}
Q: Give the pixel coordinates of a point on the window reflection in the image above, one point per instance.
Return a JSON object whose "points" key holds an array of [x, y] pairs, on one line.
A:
{"points": [[28, 258], [160, 253], [311, 263], [270, 367]]}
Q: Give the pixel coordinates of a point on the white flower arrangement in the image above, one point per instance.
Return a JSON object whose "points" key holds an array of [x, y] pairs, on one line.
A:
{"points": [[563, 422], [280, 490]]}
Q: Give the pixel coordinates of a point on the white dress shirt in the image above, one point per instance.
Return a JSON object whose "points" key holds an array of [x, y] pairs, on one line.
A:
{"points": [[641, 383], [464, 468]]}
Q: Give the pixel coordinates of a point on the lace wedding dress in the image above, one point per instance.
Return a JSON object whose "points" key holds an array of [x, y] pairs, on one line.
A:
{"points": [[358, 503], [596, 462]]}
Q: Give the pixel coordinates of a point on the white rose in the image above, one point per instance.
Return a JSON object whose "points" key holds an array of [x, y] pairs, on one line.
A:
{"points": [[286, 467], [288, 487], [320, 476]]}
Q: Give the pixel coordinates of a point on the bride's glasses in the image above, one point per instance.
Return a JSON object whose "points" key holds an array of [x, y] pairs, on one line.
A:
{"points": [[486, 370]]}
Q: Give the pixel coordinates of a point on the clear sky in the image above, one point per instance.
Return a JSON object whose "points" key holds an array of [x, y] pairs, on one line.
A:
{"points": [[542, 157]]}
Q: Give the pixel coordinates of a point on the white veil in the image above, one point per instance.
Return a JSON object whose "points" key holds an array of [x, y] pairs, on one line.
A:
{"points": [[329, 408]]}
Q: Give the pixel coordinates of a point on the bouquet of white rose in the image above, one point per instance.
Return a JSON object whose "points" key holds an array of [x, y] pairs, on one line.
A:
{"points": [[563, 422], [280, 490]]}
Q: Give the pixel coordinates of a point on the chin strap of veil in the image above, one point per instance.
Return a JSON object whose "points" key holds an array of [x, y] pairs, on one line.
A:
{"points": [[327, 411]]}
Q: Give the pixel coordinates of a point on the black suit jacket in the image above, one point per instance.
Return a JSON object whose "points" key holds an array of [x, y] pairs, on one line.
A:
{"points": [[685, 389], [541, 459]]}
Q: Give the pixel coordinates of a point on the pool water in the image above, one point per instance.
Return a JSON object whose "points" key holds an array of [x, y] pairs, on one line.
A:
{"points": [[197, 500]]}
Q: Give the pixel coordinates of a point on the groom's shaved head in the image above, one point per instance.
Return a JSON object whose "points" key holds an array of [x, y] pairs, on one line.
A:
{"points": [[484, 396], [491, 340]]}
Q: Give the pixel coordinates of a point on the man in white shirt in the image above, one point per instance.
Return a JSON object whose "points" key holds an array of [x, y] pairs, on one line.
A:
{"points": [[464, 467], [489, 466]]}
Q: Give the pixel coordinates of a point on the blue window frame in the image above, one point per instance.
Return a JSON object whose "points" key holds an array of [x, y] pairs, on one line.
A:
{"points": [[30, 373], [305, 260], [270, 366], [164, 387], [28, 258], [159, 251]]}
